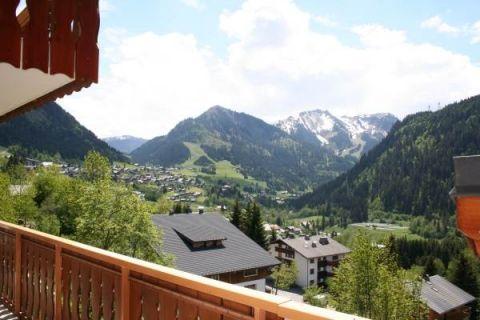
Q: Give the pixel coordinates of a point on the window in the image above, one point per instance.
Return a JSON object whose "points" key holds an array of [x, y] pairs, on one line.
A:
{"points": [[322, 269], [250, 273], [335, 257], [312, 282], [215, 277], [252, 286], [312, 260], [312, 271], [289, 255]]}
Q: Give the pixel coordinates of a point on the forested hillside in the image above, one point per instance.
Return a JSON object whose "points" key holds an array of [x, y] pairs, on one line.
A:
{"points": [[411, 171], [258, 148], [53, 131]]}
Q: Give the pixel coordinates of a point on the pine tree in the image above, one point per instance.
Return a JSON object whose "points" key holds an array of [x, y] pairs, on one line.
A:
{"points": [[236, 215], [256, 231], [463, 272]]}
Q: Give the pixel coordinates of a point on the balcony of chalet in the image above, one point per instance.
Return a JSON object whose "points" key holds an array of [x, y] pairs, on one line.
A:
{"points": [[47, 277]]}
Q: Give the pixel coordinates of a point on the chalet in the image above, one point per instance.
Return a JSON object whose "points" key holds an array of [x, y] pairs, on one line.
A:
{"points": [[445, 300], [315, 257], [210, 246]]}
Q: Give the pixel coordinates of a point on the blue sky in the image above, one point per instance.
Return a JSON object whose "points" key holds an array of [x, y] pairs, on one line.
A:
{"points": [[165, 60]]}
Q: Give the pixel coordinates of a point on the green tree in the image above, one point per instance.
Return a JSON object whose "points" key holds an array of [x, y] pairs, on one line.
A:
{"points": [[284, 276], [164, 205], [311, 294], [369, 285], [236, 215], [463, 271], [6, 200], [96, 167], [113, 218], [256, 230]]}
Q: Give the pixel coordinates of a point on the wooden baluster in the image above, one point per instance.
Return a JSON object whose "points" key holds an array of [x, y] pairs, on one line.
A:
{"points": [[30, 289], [150, 304], [43, 284], [85, 289], [96, 294], [259, 314], [58, 282], [2, 264], [75, 278], [50, 284], [107, 295], [36, 42], [136, 302], [206, 313], [9, 33], [125, 295], [36, 284], [63, 41], [88, 19], [18, 272]]}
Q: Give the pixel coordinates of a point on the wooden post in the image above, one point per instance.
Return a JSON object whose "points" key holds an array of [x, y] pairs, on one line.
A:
{"points": [[18, 272], [259, 314], [58, 282], [125, 294]]}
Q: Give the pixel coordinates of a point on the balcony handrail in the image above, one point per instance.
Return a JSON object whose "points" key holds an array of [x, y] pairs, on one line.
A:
{"points": [[260, 302]]}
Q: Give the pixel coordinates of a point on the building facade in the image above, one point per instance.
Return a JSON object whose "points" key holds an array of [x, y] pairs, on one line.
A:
{"points": [[210, 246], [316, 257]]}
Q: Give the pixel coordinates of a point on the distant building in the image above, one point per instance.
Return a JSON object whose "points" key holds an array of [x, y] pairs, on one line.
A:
{"points": [[209, 245], [314, 256], [445, 300]]}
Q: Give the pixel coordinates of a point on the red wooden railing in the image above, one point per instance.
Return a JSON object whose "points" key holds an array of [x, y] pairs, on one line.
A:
{"points": [[54, 36], [47, 277]]}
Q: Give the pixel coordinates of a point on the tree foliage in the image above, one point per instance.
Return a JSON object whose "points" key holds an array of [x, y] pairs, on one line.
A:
{"points": [[371, 286], [284, 275]]}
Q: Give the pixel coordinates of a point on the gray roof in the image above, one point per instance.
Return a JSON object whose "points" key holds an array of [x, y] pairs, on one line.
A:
{"points": [[443, 296], [238, 253], [305, 248], [196, 233]]}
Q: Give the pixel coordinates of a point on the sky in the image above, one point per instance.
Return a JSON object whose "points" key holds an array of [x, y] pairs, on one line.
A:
{"points": [[163, 61]]}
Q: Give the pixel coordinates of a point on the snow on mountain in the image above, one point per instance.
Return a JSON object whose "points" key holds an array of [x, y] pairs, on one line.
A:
{"points": [[346, 135]]}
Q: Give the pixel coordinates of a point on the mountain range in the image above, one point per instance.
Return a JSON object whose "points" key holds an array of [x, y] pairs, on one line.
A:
{"points": [[346, 136], [125, 144], [261, 150], [411, 170], [52, 131]]}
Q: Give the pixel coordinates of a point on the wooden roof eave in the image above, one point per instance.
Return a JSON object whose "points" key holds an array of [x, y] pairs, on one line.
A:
{"points": [[55, 37]]}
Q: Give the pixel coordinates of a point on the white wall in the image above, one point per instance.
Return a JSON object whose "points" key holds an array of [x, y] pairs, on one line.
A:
{"points": [[260, 284]]}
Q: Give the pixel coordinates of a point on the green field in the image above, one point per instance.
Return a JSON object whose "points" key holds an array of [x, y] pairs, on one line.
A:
{"points": [[375, 234], [224, 169]]}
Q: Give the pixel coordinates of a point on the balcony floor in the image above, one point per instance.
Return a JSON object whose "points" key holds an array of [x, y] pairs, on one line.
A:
{"points": [[5, 314]]}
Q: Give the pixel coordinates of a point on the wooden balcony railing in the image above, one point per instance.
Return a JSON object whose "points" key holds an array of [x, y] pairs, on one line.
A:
{"points": [[47, 277]]}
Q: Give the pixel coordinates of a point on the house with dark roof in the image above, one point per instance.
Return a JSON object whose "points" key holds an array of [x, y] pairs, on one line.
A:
{"points": [[209, 245], [445, 300], [315, 257]]}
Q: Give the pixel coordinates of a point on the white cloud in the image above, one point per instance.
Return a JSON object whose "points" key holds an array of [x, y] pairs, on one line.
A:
{"points": [[196, 4], [436, 23], [105, 6], [373, 35], [276, 65], [326, 21], [476, 33]]}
